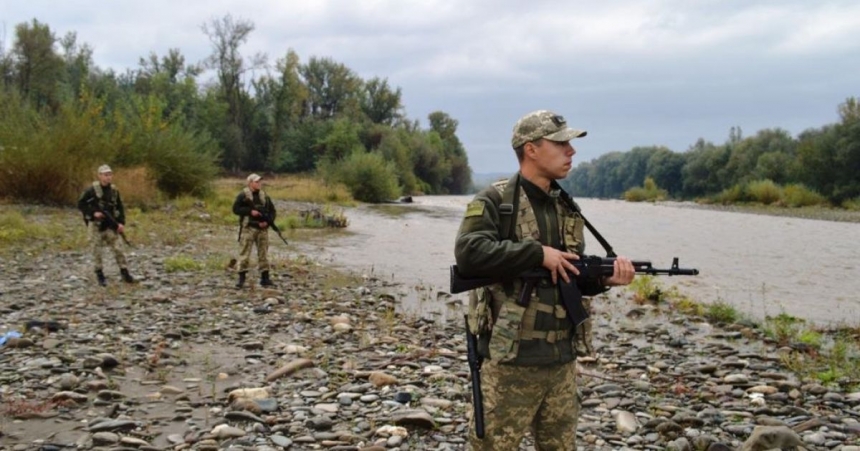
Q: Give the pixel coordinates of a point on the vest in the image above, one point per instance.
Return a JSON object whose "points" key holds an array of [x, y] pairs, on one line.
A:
{"points": [[259, 205], [494, 308], [107, 205]]}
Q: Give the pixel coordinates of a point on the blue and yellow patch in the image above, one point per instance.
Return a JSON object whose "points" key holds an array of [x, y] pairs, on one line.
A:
{"points": [[475, 208]]}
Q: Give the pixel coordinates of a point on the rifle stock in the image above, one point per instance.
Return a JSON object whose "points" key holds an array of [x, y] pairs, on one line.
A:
{"points": [[589, 267]]}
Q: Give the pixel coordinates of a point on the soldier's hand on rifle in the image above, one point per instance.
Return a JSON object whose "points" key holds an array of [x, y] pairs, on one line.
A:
{"points": [[255, 213], [120, 229], [622, 272], [558, 263], [264, 224], [98, 215]]}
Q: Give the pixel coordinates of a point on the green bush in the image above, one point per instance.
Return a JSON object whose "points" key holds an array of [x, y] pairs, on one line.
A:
{"points": [[49, 159], [731, 195], [648, 192], [800, 196], [721, 312], [852, 204], [764, 191], [366, 174]]}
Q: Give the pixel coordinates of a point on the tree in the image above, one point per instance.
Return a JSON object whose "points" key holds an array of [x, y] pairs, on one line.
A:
{"points": [[380, 103], [281, 99], [333, 88], [226, 36], [37, 66], [702, 173]]}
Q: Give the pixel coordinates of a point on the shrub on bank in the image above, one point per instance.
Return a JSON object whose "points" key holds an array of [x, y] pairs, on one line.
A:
{"points": [[367, 175], [50, 157], [797, 195], [649, 192], [732, 195], [764, 191]]}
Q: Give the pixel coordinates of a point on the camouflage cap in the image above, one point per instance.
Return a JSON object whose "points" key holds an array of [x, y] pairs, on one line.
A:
{"points": [[543, 124], [104, 169], [254, 178]]}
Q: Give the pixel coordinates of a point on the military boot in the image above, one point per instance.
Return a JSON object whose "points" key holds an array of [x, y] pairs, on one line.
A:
{"points": [[126, 277], [101, 277], [241, 281], [265, 281]]}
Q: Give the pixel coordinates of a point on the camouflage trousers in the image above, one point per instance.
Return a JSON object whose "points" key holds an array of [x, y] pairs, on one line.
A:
{"points": [[107, 238], [518, 399], [254, 237]]}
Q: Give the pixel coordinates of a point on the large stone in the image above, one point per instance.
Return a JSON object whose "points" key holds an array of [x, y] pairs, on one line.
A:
{"points": [[770, 437], [380, 379]]}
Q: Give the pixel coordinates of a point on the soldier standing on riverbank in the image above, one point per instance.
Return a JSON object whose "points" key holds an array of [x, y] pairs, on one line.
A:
{"points": [[529, 371], [104, 213], [253, 203]]}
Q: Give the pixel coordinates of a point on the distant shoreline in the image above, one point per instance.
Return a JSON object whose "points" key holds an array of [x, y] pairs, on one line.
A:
{"points": [[818, 213]]}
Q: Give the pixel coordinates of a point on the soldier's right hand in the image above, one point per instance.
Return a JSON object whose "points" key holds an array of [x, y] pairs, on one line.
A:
{"points": [[255, 213], [558, 263], [98, 215]]}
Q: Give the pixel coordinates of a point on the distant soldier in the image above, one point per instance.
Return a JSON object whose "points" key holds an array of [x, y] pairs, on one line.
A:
{"points": [[104, 213], [253, 203]]}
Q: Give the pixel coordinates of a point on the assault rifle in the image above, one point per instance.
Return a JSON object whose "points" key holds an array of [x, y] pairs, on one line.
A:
{"points": [[109, 222], [591, 268], [266, 218]]}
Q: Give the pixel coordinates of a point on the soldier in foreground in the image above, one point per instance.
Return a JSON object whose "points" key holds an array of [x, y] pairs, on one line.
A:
{"points": [[104, 214], [254, 204], [526, 336]]}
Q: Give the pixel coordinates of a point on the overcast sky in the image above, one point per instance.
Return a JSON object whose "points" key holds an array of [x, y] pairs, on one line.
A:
{"points": [[631, 72]]}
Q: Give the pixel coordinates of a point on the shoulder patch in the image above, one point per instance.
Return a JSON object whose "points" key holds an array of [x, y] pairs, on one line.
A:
{"points": [[475, 208]]}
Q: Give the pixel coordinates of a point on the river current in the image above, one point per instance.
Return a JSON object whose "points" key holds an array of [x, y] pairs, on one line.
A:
{"points": [[762, 265]]}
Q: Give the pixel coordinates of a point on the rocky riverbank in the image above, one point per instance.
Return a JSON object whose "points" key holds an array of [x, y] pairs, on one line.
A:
{"points": [[182, 360]]}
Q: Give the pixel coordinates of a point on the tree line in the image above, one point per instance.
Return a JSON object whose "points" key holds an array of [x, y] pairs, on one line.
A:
{"points": [[820, 162], [61, 114]]}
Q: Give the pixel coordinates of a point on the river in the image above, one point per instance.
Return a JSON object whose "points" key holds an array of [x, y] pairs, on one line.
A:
{"points": [[762, 265]]}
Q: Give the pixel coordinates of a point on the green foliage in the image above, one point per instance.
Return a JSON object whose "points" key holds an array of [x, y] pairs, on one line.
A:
{"points": [[721, 312], [824, 162], [367, 176], [47, 158], [764, 191], [852, 204], [179, 263], [783, 328], [649, 192], [646, 289], [61, 117], [732, 195], [797, 195]]}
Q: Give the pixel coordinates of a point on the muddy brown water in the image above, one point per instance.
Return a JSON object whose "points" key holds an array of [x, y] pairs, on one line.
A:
{"points": [[763, 265]]}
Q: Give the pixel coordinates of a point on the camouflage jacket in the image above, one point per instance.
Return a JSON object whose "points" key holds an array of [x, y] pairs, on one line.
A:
{"points": [[540, 334]]}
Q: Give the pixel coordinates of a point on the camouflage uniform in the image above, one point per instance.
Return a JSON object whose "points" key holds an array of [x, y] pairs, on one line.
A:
{"points": [[252, 234], [528, 376], [101, 233]]}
